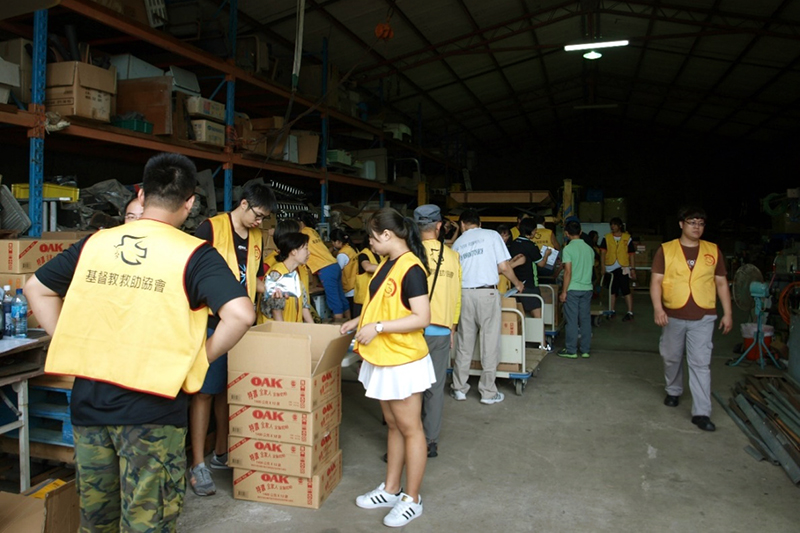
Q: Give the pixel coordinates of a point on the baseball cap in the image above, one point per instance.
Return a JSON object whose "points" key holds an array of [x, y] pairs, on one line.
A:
{"points": [[425, 214]]}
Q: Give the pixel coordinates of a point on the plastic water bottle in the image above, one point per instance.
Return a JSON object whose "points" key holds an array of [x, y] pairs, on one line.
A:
{"points": [[19, 313], [8, 323]]}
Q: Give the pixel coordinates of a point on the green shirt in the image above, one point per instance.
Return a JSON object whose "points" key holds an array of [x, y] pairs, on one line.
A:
{"points": [[581, 256]]}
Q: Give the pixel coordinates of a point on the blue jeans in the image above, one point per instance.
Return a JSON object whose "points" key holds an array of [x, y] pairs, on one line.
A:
{"points": [[578, 314], [331, 278]]}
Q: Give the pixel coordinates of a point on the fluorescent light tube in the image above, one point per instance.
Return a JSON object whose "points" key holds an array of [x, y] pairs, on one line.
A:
{"points": [[594, 45]]}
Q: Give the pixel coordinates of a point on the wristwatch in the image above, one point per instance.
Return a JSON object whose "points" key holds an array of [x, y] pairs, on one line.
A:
{"points": [[378, 327]]}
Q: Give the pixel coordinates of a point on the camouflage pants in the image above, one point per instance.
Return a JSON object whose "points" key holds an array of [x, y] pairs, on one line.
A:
{"points": [[130, 478]]}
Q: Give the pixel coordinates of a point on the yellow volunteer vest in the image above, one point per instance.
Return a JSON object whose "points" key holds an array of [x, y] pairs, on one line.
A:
{"points": [[680, 282], [392, 349], [319, 255], [126, 318], [269, 263], [446, 298], [350, 270], [617, 251], [222, 226], [362, 280], [503, 285], [543, 237], [293, 310], [514, 232]]}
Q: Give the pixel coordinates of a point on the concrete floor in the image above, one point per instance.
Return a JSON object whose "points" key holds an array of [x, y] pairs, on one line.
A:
{"points": [[589, 446]]}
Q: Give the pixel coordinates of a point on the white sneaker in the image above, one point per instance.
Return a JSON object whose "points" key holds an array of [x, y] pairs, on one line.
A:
{"points": [[378, 498], [497, 398], [458, 395], [403, 512]]}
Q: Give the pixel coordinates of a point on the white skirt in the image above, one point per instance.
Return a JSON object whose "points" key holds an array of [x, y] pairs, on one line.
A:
{"points": [[397, 382]]}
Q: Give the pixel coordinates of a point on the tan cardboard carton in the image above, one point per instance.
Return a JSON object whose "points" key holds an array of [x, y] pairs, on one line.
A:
{"points": [[285, 426], [55, 511], [205, 108], [282, 489], [209, 132], [287, 365], [280, 457], [511, 322], [75, 88], [27, 255]]}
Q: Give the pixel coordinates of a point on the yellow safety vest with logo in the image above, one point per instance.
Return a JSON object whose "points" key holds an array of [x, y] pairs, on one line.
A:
{"points": [[350, 270], [319, 256], [222, 228], [132, 276], [391, 349], [446, 298], [362, 280], [543, 237], [681, 282], [617, 250]]}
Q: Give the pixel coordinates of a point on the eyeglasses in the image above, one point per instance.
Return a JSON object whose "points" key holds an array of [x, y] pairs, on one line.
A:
{"points": [[259, 216], [696, 223]]}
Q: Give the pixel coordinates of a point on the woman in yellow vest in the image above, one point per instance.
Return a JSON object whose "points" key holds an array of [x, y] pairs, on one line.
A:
{"points": [[322, 263], [397, 368], [617, 257], [367, 265], [347, 258], [292, 256], [287, 225]]}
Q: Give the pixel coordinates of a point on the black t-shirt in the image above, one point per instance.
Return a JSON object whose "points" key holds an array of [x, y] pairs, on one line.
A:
{"points": [[361, 258], [204, 231], [528, 248], [208, 281], [415, 282]]}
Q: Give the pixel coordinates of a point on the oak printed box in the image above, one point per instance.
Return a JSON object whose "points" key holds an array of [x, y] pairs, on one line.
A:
{"points": [[285, 426], [282, 489], [27, 255], [281, 457], [283, 392]]}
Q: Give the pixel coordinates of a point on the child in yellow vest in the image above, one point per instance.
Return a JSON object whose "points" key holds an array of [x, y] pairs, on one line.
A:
{"points": [[347, 258], [292, 256]]}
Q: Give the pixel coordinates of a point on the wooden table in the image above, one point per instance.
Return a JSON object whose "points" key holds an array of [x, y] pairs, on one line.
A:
{"points": [[20, 362]]}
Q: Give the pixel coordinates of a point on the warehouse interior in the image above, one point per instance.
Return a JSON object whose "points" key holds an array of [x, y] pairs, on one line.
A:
{"points": [[346, 106]]}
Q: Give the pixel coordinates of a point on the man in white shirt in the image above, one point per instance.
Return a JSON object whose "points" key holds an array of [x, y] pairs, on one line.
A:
{"points": [[483, 253]]}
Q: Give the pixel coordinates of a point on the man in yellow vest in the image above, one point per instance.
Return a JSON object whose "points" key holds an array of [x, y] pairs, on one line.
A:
{"points": [[688, 275], [545, 237], [237, 237], [617, 257], [444, 290], [131, 328]]}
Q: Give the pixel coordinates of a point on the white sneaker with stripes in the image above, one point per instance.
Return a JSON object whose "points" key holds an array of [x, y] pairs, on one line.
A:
{"points": [[378, 498], [403, 512]]}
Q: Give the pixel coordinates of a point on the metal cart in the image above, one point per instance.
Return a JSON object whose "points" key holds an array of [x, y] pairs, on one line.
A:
{"points": [[600, 310], [549, 315]]}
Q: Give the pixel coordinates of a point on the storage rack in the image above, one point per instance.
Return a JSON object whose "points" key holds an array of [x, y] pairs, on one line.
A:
{"points": [[33, 119]]}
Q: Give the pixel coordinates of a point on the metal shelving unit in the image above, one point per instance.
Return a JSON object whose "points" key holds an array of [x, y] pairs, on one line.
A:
{"points": [[34, 118]]}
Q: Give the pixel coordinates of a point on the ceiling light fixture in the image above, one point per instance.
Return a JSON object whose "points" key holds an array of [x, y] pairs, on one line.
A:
{"points": [[592, 55], [594, 45]]}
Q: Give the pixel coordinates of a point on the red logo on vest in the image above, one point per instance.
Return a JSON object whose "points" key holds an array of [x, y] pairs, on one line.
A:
{"points": [[709, 259], [391, 288]]}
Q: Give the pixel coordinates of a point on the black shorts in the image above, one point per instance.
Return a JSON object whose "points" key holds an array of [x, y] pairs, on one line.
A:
{"points": [[530, 303], [620, 283]]}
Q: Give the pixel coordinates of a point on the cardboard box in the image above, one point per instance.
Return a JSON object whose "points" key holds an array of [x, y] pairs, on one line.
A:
{"points": [[155, 99], [208, 132], [77, 235], [282, 489], [307, 147], [501, 367], [615, 207], [56, 511], [13, 51], [511, 322], [205, 108], [266, 124], [9, 79], [282, 425], [130, 67], [183, 81], [80, 89], [280, 457], [300, 362], [590, 211], [134, 9], [27, 255]]}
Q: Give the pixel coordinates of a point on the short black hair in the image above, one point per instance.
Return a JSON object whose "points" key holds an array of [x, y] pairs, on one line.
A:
{"points": [[259, 195], [338, 234], [470, 216], [573, 228], [287, 225], [527, 226], [288, 242], [616, 221], [307, 218], [691, 211], [169, 181], [503, 228]]}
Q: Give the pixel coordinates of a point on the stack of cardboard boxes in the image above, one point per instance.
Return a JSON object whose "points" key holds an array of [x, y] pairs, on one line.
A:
{"points": [[284, 396], [646, 248]]}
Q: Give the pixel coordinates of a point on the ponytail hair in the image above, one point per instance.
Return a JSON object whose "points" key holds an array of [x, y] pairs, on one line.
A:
{"points": [[387, 218], [338, 234]]}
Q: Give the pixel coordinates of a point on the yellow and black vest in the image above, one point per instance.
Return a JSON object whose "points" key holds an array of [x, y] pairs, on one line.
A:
{"points": [[362, 280], [543, 237], [680, 282], [617, 250], [222, 227], [350, 270], [446, 298], [319, 256], [127, 319], [392, 349]]}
